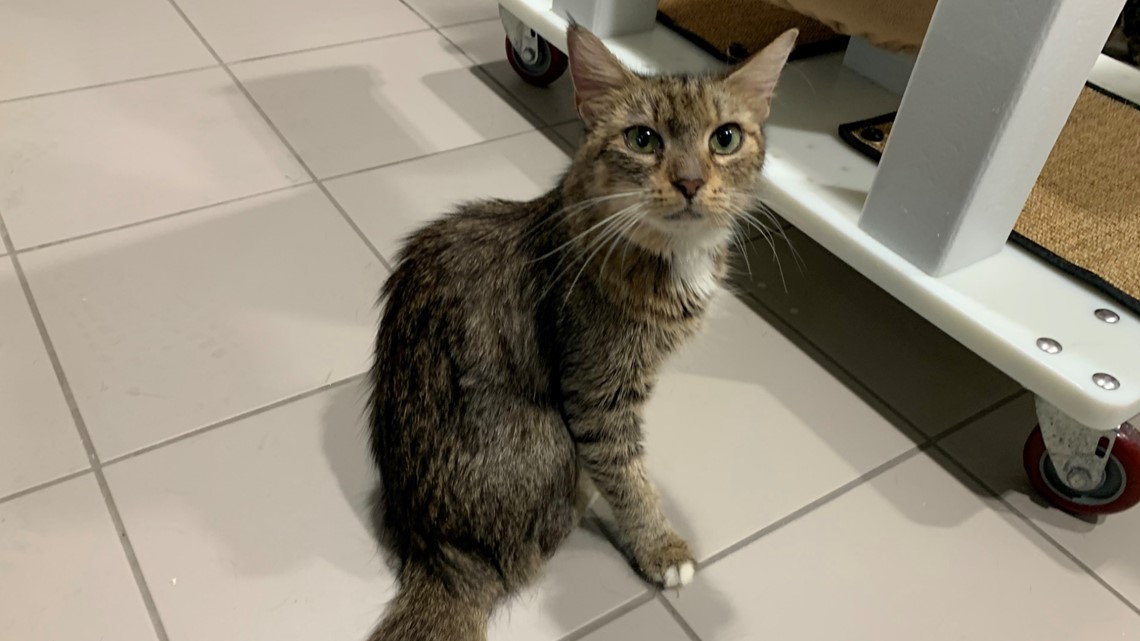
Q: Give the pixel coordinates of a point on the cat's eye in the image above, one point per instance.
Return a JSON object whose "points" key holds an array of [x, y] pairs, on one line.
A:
{"points": [[726, 139], [643, 140]]}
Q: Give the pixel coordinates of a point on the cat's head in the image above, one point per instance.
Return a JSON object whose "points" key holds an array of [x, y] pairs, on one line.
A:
{"points": [[685, 151]]}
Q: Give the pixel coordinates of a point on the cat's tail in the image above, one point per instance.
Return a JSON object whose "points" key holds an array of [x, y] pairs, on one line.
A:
{"points": [[428, 609]]}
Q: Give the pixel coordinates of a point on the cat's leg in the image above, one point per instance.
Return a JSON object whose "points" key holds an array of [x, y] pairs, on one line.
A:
{"points": [[610, 451]]}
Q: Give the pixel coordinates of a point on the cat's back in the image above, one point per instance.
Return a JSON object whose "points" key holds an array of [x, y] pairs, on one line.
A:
{"points": [[462, 297], [477, 240]]}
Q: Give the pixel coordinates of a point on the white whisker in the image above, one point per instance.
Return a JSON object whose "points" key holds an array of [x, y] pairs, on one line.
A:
{"points": [[599, 244]]}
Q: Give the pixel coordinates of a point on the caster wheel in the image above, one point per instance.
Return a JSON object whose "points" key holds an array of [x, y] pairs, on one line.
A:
{"points": [[549, 63], [1119, 490]]}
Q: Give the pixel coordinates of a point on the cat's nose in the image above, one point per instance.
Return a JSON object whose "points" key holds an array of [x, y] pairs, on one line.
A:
{"points": [[688, 186]]}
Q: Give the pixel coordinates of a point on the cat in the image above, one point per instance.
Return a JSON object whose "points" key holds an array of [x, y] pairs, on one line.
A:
{"points": [[520, 340]]}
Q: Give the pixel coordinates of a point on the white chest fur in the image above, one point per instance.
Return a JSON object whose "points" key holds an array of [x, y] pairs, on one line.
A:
{"points": [[696, 271]]}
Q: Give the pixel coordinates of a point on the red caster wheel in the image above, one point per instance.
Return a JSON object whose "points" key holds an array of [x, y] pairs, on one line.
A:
{"points": [[1119, 490], [548, 63]]}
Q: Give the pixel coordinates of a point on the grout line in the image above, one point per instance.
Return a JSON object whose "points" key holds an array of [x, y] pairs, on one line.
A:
{"points": [[609, 617], [677, 618], [139, 223], [110, 83], [88, 444], [1037, 528], [970, 420], [331, 45], [306, 183], [43, 486], [404, 161], [231, 420], [777, 320], [476, 67], [281, 137], [465, 23], [811, 507], [850, 485], [537, 121], [419, 15]]}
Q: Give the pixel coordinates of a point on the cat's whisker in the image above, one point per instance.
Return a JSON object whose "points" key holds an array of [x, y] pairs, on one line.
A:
{"points": [[613, 220], [604, 236], [602, 227], [579, 207], [635, 220], [760, 227], [743, 250], [767, 211], [768, 236], [579, 236]]}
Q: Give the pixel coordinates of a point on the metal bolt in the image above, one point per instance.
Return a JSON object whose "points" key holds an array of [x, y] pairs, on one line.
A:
{"points": [[1108, 316], [1106, 381], [1079, 478], [529, 55], [1048, 345]]}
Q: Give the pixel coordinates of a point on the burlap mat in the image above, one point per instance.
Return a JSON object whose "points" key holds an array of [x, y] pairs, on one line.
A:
{"points": [[732, 30], [1083, 215]]}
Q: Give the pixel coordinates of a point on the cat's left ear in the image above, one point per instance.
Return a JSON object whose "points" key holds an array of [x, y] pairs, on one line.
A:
{"points": [[755, 80], [594, 70]]}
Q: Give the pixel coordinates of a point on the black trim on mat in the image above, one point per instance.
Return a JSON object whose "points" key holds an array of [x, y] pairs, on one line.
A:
{"points": [[1090, 278], [847, 133], [838, 43]]}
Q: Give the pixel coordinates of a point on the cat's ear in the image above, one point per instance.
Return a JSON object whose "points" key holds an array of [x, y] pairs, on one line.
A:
{"points": [[755, 80], [594, 70]]}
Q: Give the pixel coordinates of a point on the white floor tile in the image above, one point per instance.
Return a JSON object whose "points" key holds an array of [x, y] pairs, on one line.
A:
{"points": [[914, 554], [744, 429], [920, 372], [65, 576], [64, 44], [395, 99], [263, 295], [650, 622], [86, 161], [991, 449], [251, 28], [391, 202], [443, 13], [38, 439], [169, 326], [259, 530], [485, 42]]}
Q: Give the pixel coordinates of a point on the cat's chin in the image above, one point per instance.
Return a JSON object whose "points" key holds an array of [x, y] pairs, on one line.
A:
{"points": [[671, 237]]}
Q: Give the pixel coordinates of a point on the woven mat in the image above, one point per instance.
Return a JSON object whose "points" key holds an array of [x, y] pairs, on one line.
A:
{"points": [[1083, 215], [732, 30]]}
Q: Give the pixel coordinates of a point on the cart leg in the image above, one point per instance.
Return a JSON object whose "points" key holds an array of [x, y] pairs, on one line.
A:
{"points": [[1078, 453], [991, 90], [522, 38], [1081, 469], [534, 59]]}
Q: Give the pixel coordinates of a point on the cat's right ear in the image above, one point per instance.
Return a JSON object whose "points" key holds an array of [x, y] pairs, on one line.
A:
{"points": [[594, 70]]}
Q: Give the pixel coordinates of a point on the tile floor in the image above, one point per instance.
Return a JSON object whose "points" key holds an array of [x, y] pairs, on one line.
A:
{"points": [[198, 201]]}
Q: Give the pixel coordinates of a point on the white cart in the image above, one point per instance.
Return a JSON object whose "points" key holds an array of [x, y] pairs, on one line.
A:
{"points": [[988, 96]]}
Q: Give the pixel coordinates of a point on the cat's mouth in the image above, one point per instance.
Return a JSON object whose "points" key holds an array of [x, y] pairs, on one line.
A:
{"points": [[688, 213]]}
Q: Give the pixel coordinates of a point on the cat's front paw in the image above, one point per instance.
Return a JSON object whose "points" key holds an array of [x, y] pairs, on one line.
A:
{"points": [[669, 565]]}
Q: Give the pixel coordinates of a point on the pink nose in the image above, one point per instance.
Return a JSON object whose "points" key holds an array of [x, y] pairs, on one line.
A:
{"points": [[688, 186]]}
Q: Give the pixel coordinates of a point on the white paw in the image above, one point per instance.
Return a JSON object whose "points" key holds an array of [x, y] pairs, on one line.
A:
{"points": [[679, 575]]}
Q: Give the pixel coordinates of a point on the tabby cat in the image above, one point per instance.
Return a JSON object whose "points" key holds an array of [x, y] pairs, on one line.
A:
{"points": [[520, 340]]}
